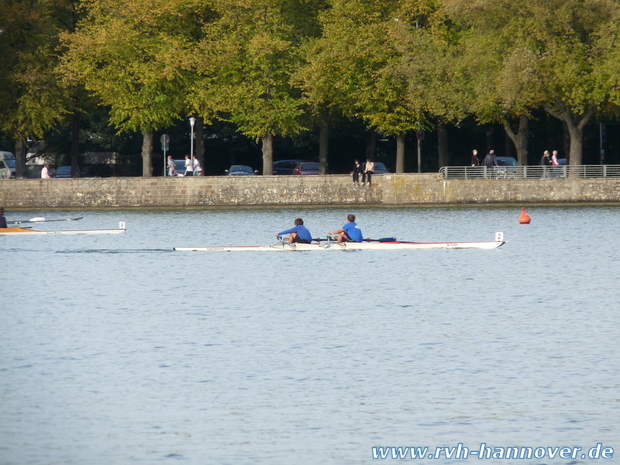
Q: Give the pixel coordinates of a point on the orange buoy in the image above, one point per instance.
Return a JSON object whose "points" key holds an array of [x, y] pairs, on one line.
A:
{"points": [[524, 218]]}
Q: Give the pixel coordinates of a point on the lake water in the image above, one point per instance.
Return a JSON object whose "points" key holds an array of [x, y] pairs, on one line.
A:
{"points": [[116, 350]]}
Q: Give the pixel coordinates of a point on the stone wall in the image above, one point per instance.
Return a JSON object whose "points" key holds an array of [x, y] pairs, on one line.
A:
{"points": [[223, 191]]}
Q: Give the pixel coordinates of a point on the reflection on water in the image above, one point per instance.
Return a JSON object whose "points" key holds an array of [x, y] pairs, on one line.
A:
{"points": [[115, 349]]}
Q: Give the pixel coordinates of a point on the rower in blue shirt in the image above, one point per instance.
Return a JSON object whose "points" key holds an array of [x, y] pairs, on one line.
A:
{"points": [[299, 233], [349, 232]]}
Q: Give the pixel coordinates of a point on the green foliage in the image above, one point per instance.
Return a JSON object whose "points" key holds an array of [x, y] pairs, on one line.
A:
{"points": [[130, 55]]}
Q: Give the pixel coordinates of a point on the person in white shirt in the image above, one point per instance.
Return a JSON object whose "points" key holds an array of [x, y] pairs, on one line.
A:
{"points": [[45, 172], [188, 166], [197, 168]]}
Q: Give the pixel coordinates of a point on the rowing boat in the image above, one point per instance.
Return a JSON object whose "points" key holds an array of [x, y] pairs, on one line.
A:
{"points": [[333, 245], [34, 232]]}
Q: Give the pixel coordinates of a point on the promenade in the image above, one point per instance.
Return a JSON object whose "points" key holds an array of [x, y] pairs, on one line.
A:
{"points": [[275, 191]]}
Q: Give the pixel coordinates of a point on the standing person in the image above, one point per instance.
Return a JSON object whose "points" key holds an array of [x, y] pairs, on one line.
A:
{"points": [[369, 169], [196, 166], [554, 158], [490, 160], [188, 166], [171, 167], [45, 172], [357, 170], [349, 232], [2, 219], [475, 161], [545, 161], [298, 234]]}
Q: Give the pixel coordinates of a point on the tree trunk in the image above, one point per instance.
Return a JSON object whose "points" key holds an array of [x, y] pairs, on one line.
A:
{"points": [[442, 145], [371, 147], [574, 124], [267, 140], [400, 153], [566, 140], [519, 139], [75, 145], [147, 152], [200, 142], [490, 138], [323, 147], [20, 158]]}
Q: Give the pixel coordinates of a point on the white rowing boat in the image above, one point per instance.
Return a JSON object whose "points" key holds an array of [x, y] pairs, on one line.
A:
{"points": [[333, 245], [34, 232]]}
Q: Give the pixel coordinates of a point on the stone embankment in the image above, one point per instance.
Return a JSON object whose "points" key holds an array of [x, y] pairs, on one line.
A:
{"points": [[268, 191]]}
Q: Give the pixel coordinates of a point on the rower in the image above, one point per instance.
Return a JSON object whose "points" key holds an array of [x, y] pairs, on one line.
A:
{"points": [[349, 232], [299, 234], [2, 219]]}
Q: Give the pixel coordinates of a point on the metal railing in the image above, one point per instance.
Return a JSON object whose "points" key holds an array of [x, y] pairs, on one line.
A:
{"points": [[530, 172]]}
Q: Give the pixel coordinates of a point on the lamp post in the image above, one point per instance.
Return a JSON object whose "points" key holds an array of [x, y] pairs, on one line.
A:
{"points": [[192, 121]]}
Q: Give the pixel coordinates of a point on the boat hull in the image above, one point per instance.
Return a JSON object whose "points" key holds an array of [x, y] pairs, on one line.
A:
{"points": [[347, 246], [34, 232]]}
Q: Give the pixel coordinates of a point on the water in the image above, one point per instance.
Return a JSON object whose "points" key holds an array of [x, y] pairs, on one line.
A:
{"points": [[115, 349]]}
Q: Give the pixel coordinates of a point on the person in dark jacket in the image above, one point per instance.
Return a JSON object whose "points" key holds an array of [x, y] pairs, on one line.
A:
{"points": [[2, 219], [490, 160]]}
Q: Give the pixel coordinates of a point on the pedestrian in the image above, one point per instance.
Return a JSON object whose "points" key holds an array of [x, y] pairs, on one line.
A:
{"points": [[554, 158], [196, 166], [475, 161], [369, 169], [357, 170], [45, 172], [189, 171], [171, 166], [545, 161], [490, 160]]}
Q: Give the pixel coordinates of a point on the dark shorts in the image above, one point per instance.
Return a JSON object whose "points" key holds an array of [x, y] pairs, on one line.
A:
{"points": [[347, 237], [300, 241]]}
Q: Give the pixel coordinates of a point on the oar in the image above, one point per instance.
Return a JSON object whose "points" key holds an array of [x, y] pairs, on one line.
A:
{"points": [[383, 239], [42, 220]]}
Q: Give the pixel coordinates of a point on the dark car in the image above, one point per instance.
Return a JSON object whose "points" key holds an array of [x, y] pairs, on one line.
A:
{"points": [[65, 172], [241, 170], [285, 166], [507, 161], [380, 168], [307, 168], [179, 168]]}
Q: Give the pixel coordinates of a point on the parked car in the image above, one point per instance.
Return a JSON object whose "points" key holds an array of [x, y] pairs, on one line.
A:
{"points": [[380, 168], [7, 165], [307, 168], [507, 161], [241, 170], [286, 166], [65, 172], [508, 168], [179, 168]]}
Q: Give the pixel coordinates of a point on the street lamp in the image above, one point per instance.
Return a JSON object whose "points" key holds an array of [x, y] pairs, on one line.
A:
{"points": [[192, 120]]}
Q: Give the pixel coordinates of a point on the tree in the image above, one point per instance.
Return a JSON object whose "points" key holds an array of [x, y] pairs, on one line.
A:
{"points": [[555, 47], [245, 63], [128, 54], [351, 67], [31, 97]]}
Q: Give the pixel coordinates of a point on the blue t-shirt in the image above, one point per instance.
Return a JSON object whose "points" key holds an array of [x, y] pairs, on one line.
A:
{"points": [[354, 232], [301, 231]]}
